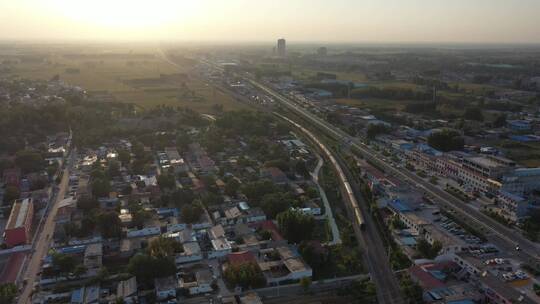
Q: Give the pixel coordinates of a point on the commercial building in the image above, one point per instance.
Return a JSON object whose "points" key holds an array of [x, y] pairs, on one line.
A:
{"points": [[281, 48], [512, 206], [521, 181], [19, 225], [479, 173]]}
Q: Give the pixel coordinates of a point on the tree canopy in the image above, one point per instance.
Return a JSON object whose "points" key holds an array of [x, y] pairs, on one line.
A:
{"points": [[295, 225], [446, 140]]}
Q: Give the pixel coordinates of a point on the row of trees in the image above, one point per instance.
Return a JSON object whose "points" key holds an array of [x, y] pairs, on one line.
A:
{"points": [[446, 140]]}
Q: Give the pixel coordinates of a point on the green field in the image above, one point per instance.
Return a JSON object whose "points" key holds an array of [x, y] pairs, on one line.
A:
{"points": [[109, 73]]}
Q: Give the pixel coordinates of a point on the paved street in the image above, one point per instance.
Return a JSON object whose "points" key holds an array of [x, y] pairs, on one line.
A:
{"points": [[43, 238], [336, 238]]}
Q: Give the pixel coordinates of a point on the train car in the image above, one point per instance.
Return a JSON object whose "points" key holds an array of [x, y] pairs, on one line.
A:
{"points": [[359, 218]]}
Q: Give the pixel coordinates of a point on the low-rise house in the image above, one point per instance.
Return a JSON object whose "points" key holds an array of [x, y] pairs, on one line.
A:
{"points": [[283, 264], [192, 253], [242, 213], [519, 125], [251, 298], [221, 247], [166, 287], [127, 290], [449, 243], [93, 255], [145, 232], [199, 283], [86, 295]]}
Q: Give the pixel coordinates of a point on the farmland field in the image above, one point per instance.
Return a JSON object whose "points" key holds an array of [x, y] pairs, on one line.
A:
{"points": [[137, 75]]}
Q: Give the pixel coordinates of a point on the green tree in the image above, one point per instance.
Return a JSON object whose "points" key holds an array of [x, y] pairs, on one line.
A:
{"points": [[181, 197], [29, 161], [256, 190], [275, 203], [101, 187], [8, 292], [163, 247], [109, 224], [11, 193], [191, 213], [375, 129], [427, 250], [412, 291], [446, 140], [231, 187], [124, 156], [295, 225], [63, 263], [114, 168], [87, 203], [79, 271], [146, 268], [246, 275], [473, 113], [500, 121], [305, 282], [166, 181], [301, 168]]}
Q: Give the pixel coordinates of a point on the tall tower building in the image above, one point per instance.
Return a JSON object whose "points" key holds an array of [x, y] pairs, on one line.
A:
{"points": [[281, 48]]}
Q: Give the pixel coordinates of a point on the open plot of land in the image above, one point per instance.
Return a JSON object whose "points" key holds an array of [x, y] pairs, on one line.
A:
{"points": [[140, 76], [524, 153], [374, 103]]}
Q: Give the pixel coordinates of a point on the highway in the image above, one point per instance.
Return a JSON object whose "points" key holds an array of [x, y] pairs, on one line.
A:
{"points": [[43, 239], [503, 237]]}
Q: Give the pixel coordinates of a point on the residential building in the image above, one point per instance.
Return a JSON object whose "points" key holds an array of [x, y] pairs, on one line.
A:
{"points": [[199, 283], [93, 255], [519, 125], [166, 287], [86, 295], [288, 267], [127, 290], [192, 253]]}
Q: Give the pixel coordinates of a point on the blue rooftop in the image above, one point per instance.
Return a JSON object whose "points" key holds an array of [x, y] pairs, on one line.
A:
{"points": [[72, 249], [399, 206], [408, 241], [468, 301], [77, 296]]}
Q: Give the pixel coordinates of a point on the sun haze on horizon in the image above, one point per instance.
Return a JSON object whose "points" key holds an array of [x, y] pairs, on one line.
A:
{"points": [[479, 21]]}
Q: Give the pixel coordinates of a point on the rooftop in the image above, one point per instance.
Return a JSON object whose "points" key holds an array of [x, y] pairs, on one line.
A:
{"points": [[19, 212]]}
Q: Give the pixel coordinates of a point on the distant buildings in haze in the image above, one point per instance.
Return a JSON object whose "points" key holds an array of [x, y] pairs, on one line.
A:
{"points": [[322, 51]]}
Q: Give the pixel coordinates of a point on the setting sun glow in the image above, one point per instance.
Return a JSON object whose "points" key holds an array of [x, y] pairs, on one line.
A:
{"points": [[125, 13]]}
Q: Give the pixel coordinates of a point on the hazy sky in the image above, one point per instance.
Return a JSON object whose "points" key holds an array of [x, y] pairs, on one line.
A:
{"points": [[254, 20]]}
